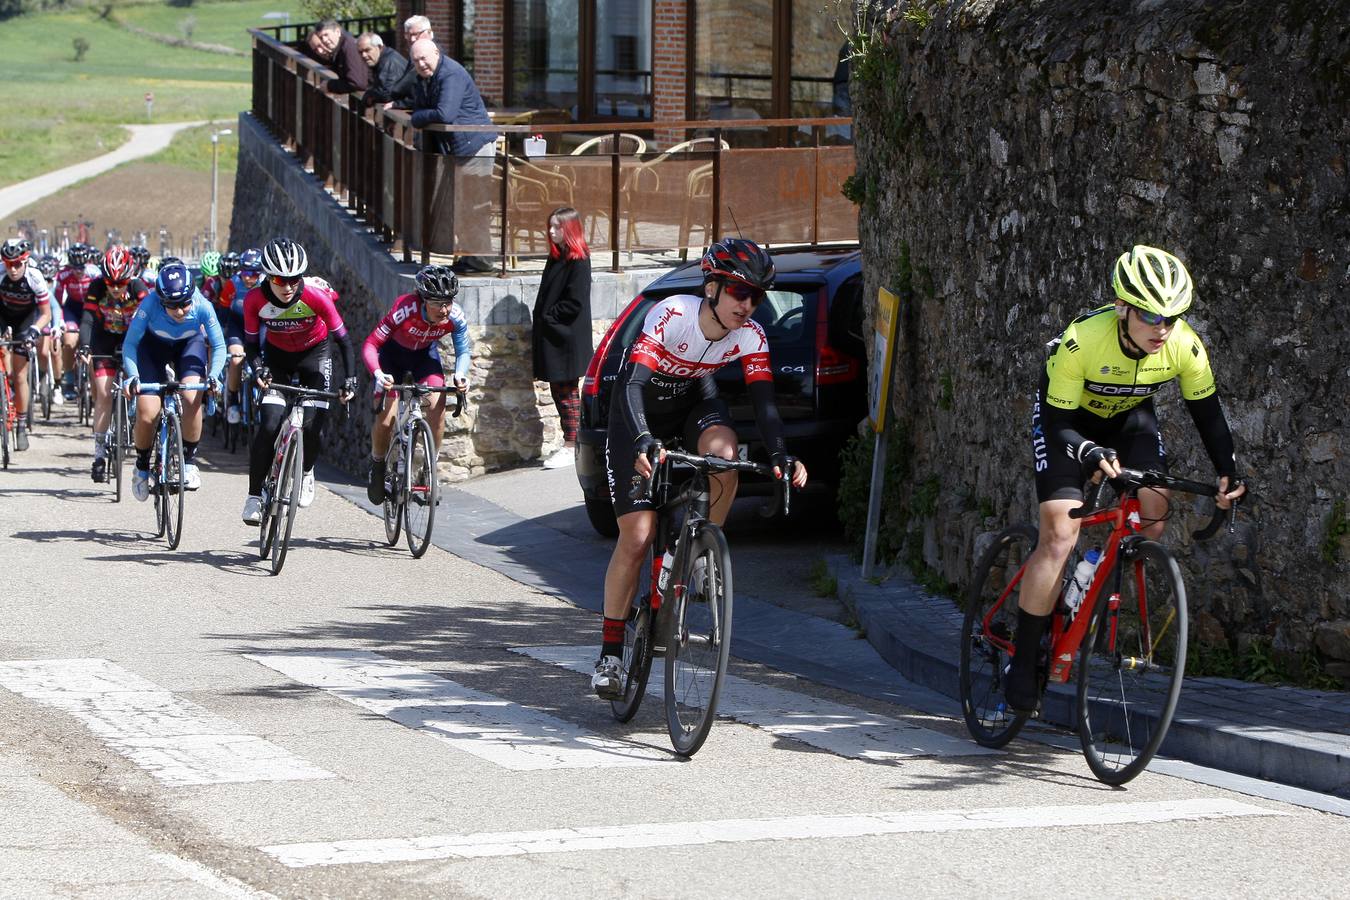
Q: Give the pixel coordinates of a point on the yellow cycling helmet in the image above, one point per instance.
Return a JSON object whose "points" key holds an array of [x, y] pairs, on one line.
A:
{"points": [[1153, 280]]}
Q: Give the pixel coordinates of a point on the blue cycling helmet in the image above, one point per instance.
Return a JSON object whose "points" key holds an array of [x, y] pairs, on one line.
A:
{"points": [[251, 261], [174, 283]]}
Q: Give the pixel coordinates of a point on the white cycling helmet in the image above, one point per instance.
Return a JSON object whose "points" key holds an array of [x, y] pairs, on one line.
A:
{"points": [[284, 258], [1152, 280]]}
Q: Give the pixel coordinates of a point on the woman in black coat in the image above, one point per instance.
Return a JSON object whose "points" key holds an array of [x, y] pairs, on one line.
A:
{"points": [[562, 324]]}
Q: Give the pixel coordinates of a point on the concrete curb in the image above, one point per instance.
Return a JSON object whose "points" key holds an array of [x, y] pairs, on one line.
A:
{"points": [[919, 635]]}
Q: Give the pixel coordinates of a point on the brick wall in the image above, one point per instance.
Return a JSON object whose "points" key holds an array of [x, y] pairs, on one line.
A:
{"points": [[669, 75], [489, 63], [442, 13]]}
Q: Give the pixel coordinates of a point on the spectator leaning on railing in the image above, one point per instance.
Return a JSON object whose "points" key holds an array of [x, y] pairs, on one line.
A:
{"points": [[316, 49], [387, 67], [352, 72]]}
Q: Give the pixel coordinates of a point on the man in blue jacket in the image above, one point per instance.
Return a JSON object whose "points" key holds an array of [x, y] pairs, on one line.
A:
{"points": [[445, 94]]}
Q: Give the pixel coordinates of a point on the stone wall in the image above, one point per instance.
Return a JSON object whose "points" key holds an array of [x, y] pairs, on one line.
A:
{"points": [[1009, 150], [509, 418]]}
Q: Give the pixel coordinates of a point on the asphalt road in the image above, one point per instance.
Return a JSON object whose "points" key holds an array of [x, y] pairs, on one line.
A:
{"points": [[182, 724]]}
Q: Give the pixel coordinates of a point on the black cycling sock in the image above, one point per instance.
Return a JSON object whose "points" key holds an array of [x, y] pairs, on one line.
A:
{"points": [[613, 637], [190, 451], [143, 459], [1022, 690]]}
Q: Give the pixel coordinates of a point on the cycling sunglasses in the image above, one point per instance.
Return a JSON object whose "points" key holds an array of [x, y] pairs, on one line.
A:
{"points": [[1153, 319], [175, 304], [117, 285], [282, 281], [738, 291]]}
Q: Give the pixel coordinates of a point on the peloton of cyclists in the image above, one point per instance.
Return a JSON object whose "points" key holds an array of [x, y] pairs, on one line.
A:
{"points": [[172, 326], [406, 343], [70, 288], [299, 316], [25, 310], [109, 305], [240, 273], [1094, 413], [666, 391]]}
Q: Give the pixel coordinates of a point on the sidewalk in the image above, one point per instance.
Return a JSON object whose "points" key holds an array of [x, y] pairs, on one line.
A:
{"points": [[146, 140], [1283, 734]]}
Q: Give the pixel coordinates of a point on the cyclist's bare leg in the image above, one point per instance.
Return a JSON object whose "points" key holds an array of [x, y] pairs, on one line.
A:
{"points": [[102, 402], [147, 409], [1057, 536], [636, 530], [720, 441], [1153, 504], [382, 429], [18, 380], [235, 367], [436, 419], [192, 410], [69, 340], [46, 354]]}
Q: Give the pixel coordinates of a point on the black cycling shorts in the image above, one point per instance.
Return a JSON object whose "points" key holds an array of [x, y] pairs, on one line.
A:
{"points": [[685, 424], [1134, 436]]}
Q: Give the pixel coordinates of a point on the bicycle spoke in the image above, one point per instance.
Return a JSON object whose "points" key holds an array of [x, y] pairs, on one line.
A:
{"points": [[698, 650]]}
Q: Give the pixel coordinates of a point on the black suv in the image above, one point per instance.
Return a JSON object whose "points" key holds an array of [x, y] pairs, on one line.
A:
{"points": [[813, 319]]}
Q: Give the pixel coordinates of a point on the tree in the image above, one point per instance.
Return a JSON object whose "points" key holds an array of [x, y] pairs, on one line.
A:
{"points": [[347, 9], [81, 48]]}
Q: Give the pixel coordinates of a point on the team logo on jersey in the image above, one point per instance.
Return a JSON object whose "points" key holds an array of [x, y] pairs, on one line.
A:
{"points": [[684, 345], [1105, 370], [1072, 345], [659, 329], [732, 353]]}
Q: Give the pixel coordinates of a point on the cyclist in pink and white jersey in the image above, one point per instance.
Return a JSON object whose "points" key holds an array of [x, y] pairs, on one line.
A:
{"points": [[299, 315], [406, 343], [666, 390], [71, 287]]}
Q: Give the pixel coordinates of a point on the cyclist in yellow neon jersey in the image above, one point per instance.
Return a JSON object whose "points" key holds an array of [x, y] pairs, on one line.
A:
{"points": [[1094, 412]]}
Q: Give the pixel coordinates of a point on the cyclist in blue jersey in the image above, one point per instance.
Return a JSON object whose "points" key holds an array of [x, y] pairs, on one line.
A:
{"points": [[171, 327], [241, 275]]}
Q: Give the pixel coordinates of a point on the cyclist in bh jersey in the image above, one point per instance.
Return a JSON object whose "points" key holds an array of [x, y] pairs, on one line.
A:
{"points": [[109, 306], [171, 327], [210, 272], [25, 310], [1094, 412], [665, 391], [406, 343], [245, 271], [71, 287], [299, 315]]}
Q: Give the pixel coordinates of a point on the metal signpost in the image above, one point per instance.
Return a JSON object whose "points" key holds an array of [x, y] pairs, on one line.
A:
{"points": [[878, 392], [215, 151], [149, 105]]}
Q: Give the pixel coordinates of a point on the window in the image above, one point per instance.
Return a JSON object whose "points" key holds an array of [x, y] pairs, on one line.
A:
{"points": [[544, 57], [623, 59], [733, 78]]}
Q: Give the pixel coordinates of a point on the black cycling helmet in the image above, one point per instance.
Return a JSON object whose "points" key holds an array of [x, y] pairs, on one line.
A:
{"points": [[48, 265], [16, 248], [437, 283], [229, 265], [740, 260]]}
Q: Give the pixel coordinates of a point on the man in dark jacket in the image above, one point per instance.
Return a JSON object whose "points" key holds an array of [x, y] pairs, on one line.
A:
{"points": [[445, 94], [387, 67], [352, 72]]}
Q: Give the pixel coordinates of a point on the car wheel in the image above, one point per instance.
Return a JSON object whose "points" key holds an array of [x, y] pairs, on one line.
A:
{"points": [[600, 511]]}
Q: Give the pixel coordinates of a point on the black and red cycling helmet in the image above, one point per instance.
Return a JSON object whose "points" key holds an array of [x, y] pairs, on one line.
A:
{"points": [[740, 260]]}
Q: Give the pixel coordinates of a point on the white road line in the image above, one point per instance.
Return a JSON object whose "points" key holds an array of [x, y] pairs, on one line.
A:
{"points": [[209, 878], [734, 831], [844, 730], [501, 732], [176, 741]]}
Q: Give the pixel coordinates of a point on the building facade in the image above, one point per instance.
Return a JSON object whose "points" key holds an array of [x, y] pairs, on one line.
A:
{"points": [[649, 60]]}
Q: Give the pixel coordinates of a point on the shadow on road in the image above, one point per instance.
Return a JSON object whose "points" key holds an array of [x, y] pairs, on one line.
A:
{"points": [[97, 535]]}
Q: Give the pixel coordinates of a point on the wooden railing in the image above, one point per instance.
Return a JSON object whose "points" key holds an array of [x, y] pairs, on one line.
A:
{"points": [[646, 186]]}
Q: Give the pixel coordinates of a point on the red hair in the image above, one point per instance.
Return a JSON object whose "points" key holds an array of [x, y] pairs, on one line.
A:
{"points": [[574, 239]]}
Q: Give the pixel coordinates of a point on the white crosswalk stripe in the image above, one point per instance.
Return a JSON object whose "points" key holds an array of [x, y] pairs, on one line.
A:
{"points": [[731, 831], [501, 732], [176, 741], [844, 730]]}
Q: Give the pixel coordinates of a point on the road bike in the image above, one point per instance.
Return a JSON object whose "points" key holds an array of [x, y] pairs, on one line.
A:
{"points": [[1129, 634], [281, 488], [9, 419], [84, 392], [41, 373], [683, 603], [166, 460], [240, 434], [411, 492], [117, 441]]}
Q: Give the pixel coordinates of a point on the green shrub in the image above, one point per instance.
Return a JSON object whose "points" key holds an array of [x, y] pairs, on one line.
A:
{"points": [[81, 48]]}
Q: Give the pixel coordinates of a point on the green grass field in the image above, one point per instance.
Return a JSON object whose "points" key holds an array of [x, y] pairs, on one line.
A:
{"points": [[74, 109]]}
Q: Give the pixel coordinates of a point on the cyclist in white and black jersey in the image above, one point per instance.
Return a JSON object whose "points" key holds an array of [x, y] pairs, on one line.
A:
{"points": [[24, 309], [665, 391]]}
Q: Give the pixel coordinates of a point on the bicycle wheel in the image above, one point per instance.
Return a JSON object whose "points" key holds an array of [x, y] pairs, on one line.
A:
{"points": [[288, 495], [699, 647], [45, 394], [1131, 664], [987, 637], [171, 484], [638, 635], [394, 491], [4, 421], [419, 502], [86, 390], [112, 443]]}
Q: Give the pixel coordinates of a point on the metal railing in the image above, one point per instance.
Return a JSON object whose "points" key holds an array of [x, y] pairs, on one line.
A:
{"points": [[648, 186]]}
